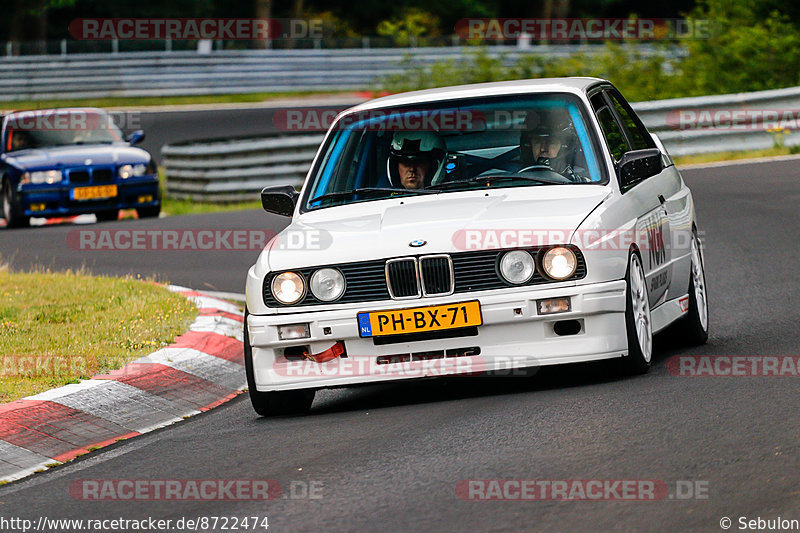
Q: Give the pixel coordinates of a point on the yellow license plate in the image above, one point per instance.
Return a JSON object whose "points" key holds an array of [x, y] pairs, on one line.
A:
{"points": [[419, 319], [92, 193]]}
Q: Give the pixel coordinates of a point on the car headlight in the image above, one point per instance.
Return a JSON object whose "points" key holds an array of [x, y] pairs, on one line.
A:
{"points": [[126, 171], [41, 176], [327, 284], [517, 266], [288, 287], [559, 263]]}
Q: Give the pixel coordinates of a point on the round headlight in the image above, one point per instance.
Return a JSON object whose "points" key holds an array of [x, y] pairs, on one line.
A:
{"points": [[559, 263], [125, 171], [517, 266], [327, 284], [288, 287]]}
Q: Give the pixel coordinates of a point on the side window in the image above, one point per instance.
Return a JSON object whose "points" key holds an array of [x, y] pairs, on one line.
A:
{"points": [[637, 134], [611, 130]]}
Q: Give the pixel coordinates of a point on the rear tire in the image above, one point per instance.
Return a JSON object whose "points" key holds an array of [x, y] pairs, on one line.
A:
{"points": [[693, 328], [274, 403], [107, 216], [10, 209], [638, 324]]}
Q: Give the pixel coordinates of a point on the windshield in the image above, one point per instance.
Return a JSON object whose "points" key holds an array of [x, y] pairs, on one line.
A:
{"points": [[520, 141], [42, 129]]}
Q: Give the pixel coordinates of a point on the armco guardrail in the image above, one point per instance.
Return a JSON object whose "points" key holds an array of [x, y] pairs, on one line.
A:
{"points": [[728, 122], [234, 170], [230, 171], [229, 71]]}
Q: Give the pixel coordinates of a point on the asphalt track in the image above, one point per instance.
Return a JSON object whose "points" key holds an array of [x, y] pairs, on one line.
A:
{"points": [[173, 125], [389, 457]]}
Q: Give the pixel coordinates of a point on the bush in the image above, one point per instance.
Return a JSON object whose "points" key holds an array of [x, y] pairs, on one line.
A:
{"points": [[745, 52]]}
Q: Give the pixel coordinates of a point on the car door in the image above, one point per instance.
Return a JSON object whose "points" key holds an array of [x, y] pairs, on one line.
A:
{"points": [[624, 132]]}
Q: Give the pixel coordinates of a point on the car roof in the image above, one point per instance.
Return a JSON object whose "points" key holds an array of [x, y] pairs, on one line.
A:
{"points": [[542, 85]]}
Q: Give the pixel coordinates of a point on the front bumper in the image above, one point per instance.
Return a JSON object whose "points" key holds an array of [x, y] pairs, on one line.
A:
{"points": [[57, 201], [512, 336]]}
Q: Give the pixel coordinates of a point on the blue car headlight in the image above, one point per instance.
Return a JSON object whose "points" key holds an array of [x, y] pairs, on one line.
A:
{"points": [[41, 176], [126, 171]]}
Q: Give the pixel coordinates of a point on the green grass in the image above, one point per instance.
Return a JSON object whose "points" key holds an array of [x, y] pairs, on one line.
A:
{"points": [[732, 156], [172, 206], [162, 100], [57, 328]]}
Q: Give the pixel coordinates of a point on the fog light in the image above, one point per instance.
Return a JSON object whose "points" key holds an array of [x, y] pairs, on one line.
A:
{"points": [[145, 199], [553, 305], [38, 207], [293, 331]]}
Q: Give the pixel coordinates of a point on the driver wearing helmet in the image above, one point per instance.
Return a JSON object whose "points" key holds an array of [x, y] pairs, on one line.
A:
{"points": [[549, 139], [415, 158]]}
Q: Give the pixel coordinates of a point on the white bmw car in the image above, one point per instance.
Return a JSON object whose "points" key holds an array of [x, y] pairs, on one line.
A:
{"points": [[473, 230]]}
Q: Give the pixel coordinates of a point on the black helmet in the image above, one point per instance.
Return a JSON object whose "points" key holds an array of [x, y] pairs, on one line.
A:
{"points": [[554, 125], [410, 146]]}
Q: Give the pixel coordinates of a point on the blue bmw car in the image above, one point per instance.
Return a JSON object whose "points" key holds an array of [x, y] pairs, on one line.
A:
{"points": [[65, 162]]}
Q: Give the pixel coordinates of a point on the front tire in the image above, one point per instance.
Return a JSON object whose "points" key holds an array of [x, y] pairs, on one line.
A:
{"points": [[10, 210], [107, 216], [268, 404], [638, 324], [148, 212], [693, 327]]}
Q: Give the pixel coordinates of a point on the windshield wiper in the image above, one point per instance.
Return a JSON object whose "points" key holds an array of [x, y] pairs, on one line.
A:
{"points": [[482, 180], [375, 192]]}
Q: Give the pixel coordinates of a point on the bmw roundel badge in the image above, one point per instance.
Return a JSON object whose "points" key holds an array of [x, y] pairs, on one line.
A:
{"points": [[417, 243]]}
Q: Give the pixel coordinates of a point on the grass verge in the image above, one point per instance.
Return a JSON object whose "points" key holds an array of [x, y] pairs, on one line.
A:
{"points": [[56, 328], [163, 100], [173, 206], [715, 157]]}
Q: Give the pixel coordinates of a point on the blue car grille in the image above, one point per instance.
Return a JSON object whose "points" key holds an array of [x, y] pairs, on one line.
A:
{"points": [[90, 175]]}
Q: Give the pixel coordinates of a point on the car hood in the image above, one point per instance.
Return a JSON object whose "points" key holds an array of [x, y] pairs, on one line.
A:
{"points": [[448, 222], [76, 155]]}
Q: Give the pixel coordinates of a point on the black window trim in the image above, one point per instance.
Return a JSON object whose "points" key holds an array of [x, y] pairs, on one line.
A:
{"points": [[636, 120], [604, 89], [601, 89]]}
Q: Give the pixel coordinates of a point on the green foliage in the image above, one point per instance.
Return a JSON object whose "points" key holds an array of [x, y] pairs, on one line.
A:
{"points": [[746, 50], [744, 54], [411, 27], [624, 65]]}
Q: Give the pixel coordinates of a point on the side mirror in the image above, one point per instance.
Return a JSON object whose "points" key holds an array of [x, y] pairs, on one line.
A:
{"points": [[638, 165], [280, 199], [136, 137]]}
